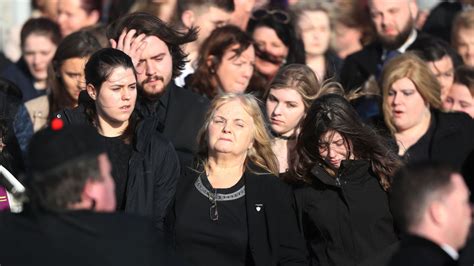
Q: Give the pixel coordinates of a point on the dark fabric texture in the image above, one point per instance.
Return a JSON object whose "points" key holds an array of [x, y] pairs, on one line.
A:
{"points": [[416, 251], [19, 74], [345, 219], [440, 19], [180, 113], [80, 238], [273, 235], [225, 240], [450, 140], [359, 66], [153, 168]]}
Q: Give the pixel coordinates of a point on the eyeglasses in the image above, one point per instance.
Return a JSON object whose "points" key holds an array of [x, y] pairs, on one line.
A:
{"points": [[213, 213], [278, 15]]}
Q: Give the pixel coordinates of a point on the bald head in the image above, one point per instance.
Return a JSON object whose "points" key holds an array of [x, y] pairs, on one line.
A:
{"points": [[394, 20]]}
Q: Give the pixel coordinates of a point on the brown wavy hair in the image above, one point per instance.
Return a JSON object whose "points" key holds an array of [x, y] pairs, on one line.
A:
{"points": [[334, 112], [215, 46]]}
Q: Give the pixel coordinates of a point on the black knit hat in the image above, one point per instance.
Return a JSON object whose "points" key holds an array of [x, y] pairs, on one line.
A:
{"points": [[58, 144]]}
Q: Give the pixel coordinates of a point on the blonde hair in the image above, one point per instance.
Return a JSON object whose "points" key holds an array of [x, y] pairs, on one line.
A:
{"points": [[261, 153], [410, 66]]}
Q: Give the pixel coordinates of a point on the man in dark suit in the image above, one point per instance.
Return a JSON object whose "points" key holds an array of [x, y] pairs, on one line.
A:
{"points": [[155, 49], [68, 219], [394, 22], [430, 202]]}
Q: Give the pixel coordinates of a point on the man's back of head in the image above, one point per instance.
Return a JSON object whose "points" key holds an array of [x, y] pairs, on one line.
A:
{"points": [[69, 169], [432, 201]]}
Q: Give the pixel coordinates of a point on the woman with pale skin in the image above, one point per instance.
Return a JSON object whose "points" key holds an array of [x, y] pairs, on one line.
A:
{"points": [[145, 166], [276, 41], [231, 209], [461, 95], [315, 26], [340, 175], [289, 96], [66, 73], [225, 64], [411, 107], [39, 39]]}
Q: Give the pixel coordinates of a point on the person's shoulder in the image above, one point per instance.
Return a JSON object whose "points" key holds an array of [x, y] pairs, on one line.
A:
{"points": [[188, 97], [454, 120], [368, 50]]}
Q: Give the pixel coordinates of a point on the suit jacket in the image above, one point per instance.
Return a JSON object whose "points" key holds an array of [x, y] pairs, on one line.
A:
{"points": [[273, 235], [359, 66], [153, 168], [181, 115], [416, 251], [38, 237]]}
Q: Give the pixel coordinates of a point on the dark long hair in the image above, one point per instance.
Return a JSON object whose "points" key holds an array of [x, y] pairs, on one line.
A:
{"points": [[97, 70], [150, 25], [334, 112], [286, 32], [76, 45], [216, 45]]}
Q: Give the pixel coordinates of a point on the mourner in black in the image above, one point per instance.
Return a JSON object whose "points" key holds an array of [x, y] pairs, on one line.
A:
{"points": [[231, 209], [68, 219], [430, 203], [155, 49], [412, 113], [340, 174], [147, 167]]}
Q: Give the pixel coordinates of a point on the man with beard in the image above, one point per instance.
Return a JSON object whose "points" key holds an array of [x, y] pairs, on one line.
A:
{"points": [[155, 49], [394, 23]]}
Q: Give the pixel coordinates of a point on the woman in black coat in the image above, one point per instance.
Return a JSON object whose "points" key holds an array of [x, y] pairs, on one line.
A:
{"points": [[231, 209], [341, 174], [145, 166], [412, 113]]}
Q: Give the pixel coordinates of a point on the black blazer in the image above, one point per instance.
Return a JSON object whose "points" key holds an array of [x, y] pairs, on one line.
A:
{"points": [[417, 251], [180, 113], [273, 234], [80, 238], [359, 66]]}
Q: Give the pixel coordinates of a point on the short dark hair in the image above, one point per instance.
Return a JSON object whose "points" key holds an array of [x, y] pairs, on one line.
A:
{"points": [[91, 5], [43, 27], [431, 49], [414, 187], [62, 186], [465, 75], [183, 5], [152, 26]]}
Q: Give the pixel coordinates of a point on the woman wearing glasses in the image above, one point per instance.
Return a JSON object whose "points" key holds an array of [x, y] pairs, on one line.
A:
{"points": [[277, 44], [231, 209]]}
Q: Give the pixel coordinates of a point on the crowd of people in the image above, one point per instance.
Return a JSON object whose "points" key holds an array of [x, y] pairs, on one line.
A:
{"points": [[246, 133]]}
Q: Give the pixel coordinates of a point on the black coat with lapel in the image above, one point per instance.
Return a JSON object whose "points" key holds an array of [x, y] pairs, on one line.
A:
{"points": [[180, 113], [273, 234], [417, 251], [359, 66]]}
